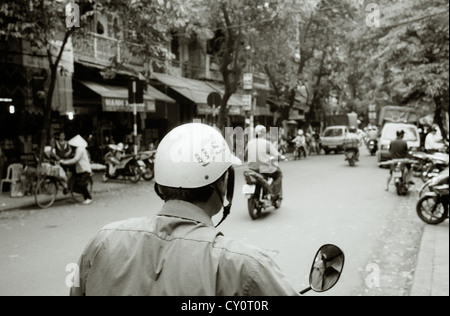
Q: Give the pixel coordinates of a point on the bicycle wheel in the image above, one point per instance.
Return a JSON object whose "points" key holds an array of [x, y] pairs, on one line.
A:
{"points": [[45, 193], [78, 197]]}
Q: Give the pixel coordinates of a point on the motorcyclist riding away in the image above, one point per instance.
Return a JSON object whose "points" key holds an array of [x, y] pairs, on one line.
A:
{"points": [[398, 149], [372, 133], [351, 142], [260, 151], [179, 252]]}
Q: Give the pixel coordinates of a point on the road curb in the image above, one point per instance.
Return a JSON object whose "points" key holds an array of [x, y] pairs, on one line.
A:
{"points": [[431, 277]]}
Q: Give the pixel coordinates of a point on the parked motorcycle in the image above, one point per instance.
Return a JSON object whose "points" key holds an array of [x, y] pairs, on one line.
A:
{"points": [[426, 186], [146, 160], [427, 166], [326, 269], [399, 173], [433, 206], [256, 190], [121, 165]]}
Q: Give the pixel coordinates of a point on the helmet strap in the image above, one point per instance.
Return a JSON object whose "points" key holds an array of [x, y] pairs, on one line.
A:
{"points": [[158, 192], [230, 194]]}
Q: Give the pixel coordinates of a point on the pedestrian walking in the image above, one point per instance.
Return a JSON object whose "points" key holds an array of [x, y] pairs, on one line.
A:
{"points": [[82, 167]]}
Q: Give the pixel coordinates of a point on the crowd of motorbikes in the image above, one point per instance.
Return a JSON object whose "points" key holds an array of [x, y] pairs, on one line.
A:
{"points": [[121, 164], [433, 169], [302, 145]]}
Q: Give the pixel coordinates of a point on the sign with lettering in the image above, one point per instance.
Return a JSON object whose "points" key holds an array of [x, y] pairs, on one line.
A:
{"points": [[247, 102], [248, 81], [122, 105]]}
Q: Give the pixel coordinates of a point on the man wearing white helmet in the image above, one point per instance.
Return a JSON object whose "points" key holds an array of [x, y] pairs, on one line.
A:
{"points": [[179, 251], [300, 141], [263, 158]]}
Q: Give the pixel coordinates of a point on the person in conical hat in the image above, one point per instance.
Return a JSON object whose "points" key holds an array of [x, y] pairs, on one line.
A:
{"points": [[82, 166], [78, 141]]}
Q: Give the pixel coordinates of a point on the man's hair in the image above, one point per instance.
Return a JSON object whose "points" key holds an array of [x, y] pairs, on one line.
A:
{"points": [[195, 195]]}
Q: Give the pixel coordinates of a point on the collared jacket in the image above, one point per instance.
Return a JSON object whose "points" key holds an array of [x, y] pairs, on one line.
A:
{"points": [[259, 151], [178, 252]]}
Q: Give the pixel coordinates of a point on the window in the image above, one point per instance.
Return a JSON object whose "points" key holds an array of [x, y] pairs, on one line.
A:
{"points": [[391, 133], [333, 132]]}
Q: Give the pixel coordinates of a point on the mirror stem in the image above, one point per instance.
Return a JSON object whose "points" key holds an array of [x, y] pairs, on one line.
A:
{"points": [[305, 290]]}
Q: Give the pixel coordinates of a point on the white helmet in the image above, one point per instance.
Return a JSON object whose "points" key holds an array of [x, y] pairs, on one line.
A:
{"points": [[300, 132], [192, 156], [260, 130]]}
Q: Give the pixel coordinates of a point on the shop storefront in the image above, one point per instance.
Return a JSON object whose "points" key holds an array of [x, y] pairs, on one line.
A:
{"points": [[25, 80], [192, 96], [103, 114]]}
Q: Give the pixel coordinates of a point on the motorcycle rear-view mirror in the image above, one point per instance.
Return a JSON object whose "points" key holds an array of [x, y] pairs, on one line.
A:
{"points": [[326, 269]]}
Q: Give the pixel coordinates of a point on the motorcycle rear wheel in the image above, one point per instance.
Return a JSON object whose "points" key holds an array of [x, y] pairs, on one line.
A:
{"points": [[401, 189], [253, 209], [431, 211], [134, 173], [148, 174]]}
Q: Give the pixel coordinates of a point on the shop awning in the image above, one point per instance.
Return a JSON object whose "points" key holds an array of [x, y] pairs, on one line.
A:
{"points": [[235, 102], [115, 98], [195, 90]]}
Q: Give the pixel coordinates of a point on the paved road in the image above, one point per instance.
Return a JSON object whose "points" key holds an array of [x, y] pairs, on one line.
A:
{"points": [[326, 201]]}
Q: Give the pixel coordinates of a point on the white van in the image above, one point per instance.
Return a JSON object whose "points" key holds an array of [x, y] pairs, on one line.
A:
{"points": [[389, 133], [333, 138]]}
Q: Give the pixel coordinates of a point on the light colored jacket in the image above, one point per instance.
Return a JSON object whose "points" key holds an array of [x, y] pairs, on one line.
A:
{"points": [[259, 151], [179, 252], [81, 161]]}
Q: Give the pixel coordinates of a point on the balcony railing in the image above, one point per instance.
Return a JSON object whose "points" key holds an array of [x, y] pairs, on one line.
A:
{"points": [[101, 50]]}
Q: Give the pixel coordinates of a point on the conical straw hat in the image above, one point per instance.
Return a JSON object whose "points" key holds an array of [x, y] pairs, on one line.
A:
{"points": [[78, 141]]}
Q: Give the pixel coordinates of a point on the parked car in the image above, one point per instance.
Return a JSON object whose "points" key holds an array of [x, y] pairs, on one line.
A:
{"points": [[389, 133], [333, 138]]}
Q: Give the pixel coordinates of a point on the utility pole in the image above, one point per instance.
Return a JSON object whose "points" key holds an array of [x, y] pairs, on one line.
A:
{"points": [[135, 96]]}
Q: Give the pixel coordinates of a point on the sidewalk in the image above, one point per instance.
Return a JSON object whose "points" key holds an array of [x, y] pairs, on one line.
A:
{"points": [[8, 203], [431, 277]]}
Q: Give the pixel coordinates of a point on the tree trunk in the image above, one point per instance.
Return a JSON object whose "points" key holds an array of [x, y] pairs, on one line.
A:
{"points": [[49, 96], [47, 113], [438, 115]]}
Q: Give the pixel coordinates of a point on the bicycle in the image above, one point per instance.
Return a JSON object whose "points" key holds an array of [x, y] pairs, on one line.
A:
{"points": [[51, 179]]}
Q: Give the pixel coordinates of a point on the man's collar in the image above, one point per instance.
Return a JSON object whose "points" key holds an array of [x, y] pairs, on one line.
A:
{"points": [[185, 210]]}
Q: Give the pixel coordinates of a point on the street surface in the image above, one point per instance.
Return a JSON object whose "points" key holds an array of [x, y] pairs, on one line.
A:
{"points": [[325, 201]]}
